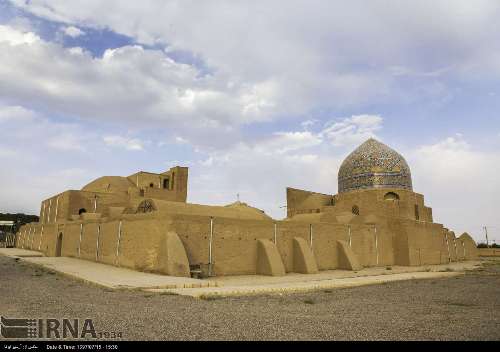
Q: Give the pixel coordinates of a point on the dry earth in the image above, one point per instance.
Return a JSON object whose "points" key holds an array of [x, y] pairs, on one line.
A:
{"points": [[460, 308]]}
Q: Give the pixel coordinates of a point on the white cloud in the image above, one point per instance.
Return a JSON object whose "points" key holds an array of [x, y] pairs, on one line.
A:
{"points": [[128, 84], [308, 123], [66, 142], [72, 31], [261, 169], [311, 50], [7, 153], [284, 142], [14, 37], [260, 175], [133, 144], [289, 62], [460, 183], [44, 157], [25, 127], [17, 113], [353, 130]]}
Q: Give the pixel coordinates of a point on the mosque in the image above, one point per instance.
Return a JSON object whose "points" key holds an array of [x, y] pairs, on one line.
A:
{"points": [[143, 222]]}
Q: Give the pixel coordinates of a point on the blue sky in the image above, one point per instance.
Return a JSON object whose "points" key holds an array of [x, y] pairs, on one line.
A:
{"points": [[252, 96]]}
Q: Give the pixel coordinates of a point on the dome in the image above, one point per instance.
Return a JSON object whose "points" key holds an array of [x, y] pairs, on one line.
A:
{"points": [[374, 165], [109, 184]]}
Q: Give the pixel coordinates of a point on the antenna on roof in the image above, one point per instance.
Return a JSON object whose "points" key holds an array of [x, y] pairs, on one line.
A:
{"points": [[286, 209], [238, 196]]}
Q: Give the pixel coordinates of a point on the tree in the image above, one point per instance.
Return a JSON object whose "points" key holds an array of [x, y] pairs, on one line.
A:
{"points": [[19, 219]]}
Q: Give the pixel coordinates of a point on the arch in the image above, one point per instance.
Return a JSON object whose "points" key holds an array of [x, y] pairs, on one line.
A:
{"points": [[59, 245], [166, 183], [355, 210], [391, 196], [81, 211]]}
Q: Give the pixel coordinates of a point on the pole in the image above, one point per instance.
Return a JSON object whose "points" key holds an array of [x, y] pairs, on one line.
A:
{"points": [[57, 206], [455, 244], [48, 213], [350, 236], [486, 233], [97, 243], [284, 207], [448, 247], [275, 232], [43, 212], [118, 242], [41, 236], [210, 247], [376, 244], [33, 238], [311, 236], [80, 240]]}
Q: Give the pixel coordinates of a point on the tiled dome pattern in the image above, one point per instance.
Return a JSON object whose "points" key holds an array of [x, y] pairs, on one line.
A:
{"points": [[374, 165]]}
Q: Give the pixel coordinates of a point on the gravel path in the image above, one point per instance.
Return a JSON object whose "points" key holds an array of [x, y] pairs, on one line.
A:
{"points": [[460, 308]]}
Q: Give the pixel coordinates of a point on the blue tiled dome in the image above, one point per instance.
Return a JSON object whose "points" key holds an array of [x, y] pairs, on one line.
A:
{"points": [[374, 165]]}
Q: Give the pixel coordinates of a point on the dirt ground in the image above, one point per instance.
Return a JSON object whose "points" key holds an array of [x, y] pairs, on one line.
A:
{"points": [[461, 308]]}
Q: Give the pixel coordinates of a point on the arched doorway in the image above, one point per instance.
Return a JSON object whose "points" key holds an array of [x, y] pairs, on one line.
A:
{"points": [[59, 244]]}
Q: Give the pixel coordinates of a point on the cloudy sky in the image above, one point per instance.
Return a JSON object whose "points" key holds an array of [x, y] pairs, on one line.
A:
{"points": [[252, 96]]}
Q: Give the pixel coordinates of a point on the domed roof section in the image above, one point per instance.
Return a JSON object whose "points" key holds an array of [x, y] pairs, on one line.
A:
{"points": [[374, 165], [245, 208], [109, 184]]}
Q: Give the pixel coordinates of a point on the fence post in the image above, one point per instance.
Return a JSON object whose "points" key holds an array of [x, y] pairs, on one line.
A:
{"points": [[118, 242]]}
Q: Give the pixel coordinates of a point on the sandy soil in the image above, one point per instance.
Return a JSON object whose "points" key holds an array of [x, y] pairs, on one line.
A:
{"points": [[459, 308]]}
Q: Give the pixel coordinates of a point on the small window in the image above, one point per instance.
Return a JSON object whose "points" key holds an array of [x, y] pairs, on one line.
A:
{"points": [[391, 196], [355, 210], [166, 183], [81, 211], [151, 185]]}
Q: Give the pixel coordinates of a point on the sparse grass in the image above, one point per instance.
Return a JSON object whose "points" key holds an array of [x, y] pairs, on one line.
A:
{"points": [[168, 293], [460, 304], [210, 297], [309, 301]]}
